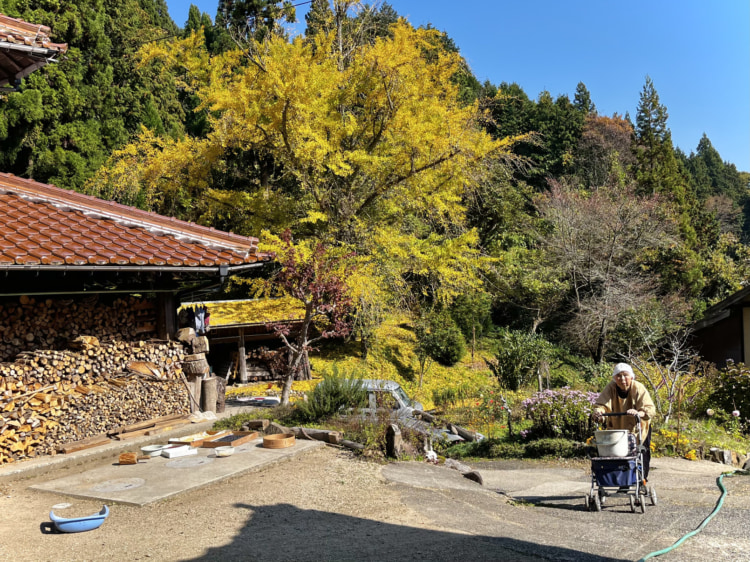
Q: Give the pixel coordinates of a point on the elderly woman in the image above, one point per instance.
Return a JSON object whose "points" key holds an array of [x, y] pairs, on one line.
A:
{"points": [[626, 395]]}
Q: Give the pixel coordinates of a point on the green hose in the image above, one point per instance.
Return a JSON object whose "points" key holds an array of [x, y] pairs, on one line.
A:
{"points": [[719, 503]]}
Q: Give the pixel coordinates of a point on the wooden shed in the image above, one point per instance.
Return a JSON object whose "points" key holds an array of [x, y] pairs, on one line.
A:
{"points": [[89, 289], [24, 48], [724, 332]]}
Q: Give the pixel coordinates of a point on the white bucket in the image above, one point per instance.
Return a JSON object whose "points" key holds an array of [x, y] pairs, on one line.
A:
{"points": [[612, 442]]}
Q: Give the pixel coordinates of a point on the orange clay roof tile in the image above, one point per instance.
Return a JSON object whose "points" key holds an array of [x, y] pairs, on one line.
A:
{"points": [[42, 224]]}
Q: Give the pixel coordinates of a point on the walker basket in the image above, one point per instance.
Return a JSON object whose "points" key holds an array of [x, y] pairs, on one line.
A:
{"points": [[614, 472]]}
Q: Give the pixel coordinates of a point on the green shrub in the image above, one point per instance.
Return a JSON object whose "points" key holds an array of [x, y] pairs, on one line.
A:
{"points": [[472, 313], [452, 395], [330, 395], [507, 450], [444, 342], [554, 447], [502, 449], [467, 449], [731, 393], [519, 356], [560, 413]]}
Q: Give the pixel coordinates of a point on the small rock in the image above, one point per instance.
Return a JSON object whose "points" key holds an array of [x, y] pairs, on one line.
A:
{"points": [[474, 476]]}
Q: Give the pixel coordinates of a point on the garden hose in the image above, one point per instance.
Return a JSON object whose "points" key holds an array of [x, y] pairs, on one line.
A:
{"points": [[719, 503]]}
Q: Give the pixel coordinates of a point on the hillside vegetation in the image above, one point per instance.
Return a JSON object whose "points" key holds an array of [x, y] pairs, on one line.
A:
{"points": [[392, 184]]}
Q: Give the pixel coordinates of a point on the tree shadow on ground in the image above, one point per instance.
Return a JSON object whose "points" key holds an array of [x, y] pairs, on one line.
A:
{"points": [[285, 532]]}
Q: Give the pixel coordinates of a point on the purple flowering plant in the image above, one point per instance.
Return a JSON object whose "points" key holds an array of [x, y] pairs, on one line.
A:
{"points": [[562, 412]]}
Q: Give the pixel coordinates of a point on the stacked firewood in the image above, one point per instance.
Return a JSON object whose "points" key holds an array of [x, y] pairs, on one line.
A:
{"points": [[52, 397], [27, 324]]}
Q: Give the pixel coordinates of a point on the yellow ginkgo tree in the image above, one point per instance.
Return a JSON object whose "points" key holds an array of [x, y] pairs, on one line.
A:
{"points": [[375, 155]]}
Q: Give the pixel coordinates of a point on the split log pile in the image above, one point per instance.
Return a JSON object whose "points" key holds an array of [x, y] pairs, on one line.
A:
{"points": [[52, 397], [27, 324]]}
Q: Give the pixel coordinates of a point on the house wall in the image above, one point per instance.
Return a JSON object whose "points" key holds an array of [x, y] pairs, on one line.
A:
{"points": [[724, 340]]}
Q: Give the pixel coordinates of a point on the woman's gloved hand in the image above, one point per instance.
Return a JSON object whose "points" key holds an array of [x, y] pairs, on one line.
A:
{"points": [[633, 412]]}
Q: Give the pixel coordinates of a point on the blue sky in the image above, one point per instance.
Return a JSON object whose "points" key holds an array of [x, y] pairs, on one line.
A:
{"points": [[697, 53]]}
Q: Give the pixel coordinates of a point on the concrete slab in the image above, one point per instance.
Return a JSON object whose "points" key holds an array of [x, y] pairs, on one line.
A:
{"points": [[159, 478], [109, 451]]}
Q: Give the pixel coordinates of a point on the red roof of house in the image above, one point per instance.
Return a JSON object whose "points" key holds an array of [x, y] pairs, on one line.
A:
{"points": [[42, 225], [24, 47]]}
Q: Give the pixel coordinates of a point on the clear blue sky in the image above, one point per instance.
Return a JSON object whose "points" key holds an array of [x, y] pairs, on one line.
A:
{"points": [[697, 52]]}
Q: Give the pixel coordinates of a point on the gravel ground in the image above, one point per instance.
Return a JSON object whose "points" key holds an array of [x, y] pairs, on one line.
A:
{"points": [[271, 515], [328, 505]]}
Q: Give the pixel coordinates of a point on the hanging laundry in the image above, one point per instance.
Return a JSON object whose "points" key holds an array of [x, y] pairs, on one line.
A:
{"points": [[190, 317]]}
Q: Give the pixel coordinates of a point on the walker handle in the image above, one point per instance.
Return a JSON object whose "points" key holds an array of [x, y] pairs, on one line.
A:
{"points": [[637, 417]]}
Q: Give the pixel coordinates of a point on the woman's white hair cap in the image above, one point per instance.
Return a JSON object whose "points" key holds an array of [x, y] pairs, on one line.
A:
{"points": [[620, 367]]}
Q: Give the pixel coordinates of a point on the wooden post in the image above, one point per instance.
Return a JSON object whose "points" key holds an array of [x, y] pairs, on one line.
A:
{"points": [[241, 359], [166, 316]]}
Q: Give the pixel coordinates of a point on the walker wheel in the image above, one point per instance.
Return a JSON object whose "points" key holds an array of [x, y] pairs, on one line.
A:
{"points": [[642, 504], [632, 503], [652, 495], [587, 502], [597, 502]]}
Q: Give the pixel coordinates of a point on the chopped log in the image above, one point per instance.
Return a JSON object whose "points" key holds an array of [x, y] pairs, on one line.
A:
{"points": [[185, 335], [221, 389], [132, 458], [424, 416], [327, 436], [65, 386], [274, 428], [208, 394], [394, 442], [199, 344], [465, 433], [198, 367], [352, 445], [256, 424]]}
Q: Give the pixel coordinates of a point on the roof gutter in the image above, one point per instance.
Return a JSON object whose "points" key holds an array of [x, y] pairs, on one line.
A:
{"points": [[47, 54], [221, 270]]}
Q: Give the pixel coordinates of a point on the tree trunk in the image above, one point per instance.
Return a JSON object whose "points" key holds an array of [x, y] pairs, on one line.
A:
{"points": [[286, 391]]}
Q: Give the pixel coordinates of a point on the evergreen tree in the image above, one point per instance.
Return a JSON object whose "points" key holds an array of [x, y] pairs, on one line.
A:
{"points": [[319, 18], [582, 100], [255, 19], [657, 164], [67, 118]]}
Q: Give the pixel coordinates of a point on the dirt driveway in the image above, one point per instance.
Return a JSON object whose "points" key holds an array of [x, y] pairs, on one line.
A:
{"points": [[325, 505]]}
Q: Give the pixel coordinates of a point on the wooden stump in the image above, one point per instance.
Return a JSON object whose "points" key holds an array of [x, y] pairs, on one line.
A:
{"points": [[195, 384], [221, 389], [200, 344], [394, 443], [208, 394]]}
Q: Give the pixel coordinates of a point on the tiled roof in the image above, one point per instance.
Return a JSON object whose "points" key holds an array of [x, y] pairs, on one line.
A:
{"points": [[44, 226], [24, 47]]}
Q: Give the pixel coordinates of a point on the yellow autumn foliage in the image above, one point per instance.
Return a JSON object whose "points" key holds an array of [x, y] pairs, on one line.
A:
{"points": [[252, 311]]}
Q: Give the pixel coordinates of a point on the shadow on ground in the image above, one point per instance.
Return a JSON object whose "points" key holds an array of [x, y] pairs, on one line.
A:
{"points": [[285, 532]]}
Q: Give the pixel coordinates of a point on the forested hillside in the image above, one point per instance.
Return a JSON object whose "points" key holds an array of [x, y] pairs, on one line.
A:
{"points": [[469, 206]]}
